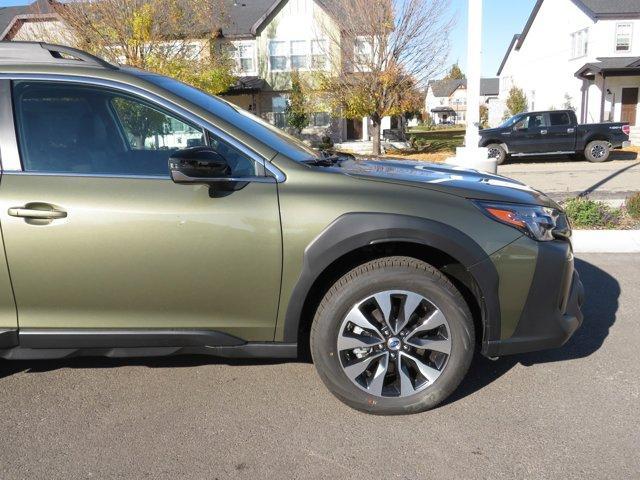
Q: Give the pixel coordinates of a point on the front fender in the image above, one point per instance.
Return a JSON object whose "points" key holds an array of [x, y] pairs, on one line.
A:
{"points": [[356, 230]]}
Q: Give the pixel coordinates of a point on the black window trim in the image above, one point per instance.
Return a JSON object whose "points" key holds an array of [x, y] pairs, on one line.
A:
{"points": [[10, 151]]}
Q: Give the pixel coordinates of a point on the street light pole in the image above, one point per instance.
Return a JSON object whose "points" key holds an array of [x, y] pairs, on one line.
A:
{"points": [[472, 156]]}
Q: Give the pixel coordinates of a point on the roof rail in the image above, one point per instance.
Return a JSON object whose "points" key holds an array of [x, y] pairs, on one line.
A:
{"points": [[39, 53]]}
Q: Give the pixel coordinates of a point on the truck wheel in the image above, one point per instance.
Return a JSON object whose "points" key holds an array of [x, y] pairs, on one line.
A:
{"points": [[392, 336], [498, 152], [597, 151]]}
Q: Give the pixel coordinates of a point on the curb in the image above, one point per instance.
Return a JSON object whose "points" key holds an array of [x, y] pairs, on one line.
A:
{"points": [[606, 241]]}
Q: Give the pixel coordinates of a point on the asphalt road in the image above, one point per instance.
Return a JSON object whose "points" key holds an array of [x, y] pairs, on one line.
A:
{"points": [[563, 414]]}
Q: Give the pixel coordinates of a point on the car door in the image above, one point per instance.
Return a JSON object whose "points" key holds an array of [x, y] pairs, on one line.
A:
{"points": [[561, 136], [98, 236], [529, 134], [8, 314]]}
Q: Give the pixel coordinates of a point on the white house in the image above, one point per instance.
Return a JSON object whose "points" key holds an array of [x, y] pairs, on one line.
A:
{"points": [[446, 100], [268, 39], [581, 54]]}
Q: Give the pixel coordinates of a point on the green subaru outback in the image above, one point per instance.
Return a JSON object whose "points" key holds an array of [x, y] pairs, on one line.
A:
{"points": [[143, 217]]}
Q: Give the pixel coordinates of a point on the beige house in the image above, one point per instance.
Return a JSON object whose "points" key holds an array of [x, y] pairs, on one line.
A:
{"points": [[268, 39], [446, 100]]}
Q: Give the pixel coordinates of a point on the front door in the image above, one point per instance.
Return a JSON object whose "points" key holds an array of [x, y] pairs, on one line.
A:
{"points": [[629, 105], [529, 134], [354, 129], [120, 245]]}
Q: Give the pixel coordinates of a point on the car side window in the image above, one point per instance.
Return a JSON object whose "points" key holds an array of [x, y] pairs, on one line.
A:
{"points": [[559, 119], [147, 128], [70, 128], [536, 120]]}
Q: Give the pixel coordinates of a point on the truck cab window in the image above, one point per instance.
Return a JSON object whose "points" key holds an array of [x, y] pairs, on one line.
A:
{"points": [[559, 119]]}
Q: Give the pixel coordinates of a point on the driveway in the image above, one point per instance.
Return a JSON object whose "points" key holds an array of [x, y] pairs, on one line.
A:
{"points": [[567, 413], [562, 178]]}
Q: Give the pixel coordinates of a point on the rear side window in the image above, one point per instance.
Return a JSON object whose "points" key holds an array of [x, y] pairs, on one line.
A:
{"points": [[69, 128], [559, 119]]}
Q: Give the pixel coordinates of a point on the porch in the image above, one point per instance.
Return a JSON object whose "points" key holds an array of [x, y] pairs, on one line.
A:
{"points": [[611, 92]]}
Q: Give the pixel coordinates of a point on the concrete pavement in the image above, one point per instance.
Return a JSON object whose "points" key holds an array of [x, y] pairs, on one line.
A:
{"points": [[570, 413], [562, 178]]}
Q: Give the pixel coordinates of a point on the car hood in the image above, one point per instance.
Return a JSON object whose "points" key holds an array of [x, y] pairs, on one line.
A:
{"points": [[490, 131], [453, 180]]}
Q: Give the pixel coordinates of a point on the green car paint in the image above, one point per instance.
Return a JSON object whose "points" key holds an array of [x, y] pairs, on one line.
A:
{"points": [[144, 253], [148, 253]]}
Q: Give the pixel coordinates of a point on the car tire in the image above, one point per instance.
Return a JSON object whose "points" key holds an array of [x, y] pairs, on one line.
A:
{"points": [[498, 152], [597, 151], [402, 378]]}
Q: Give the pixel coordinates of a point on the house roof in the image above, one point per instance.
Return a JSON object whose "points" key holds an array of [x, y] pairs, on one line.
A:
{"points": [[247, 85], [447, 110], [444, 88], [596, 9], [506, 55], [9, 16], [242, 15], [334, 8], [610, 8], [246, 17], [611, 66]]}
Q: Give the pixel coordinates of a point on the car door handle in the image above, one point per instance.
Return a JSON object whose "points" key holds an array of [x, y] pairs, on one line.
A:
{"points": [[23, 212], [571, 130], [544, 132]]}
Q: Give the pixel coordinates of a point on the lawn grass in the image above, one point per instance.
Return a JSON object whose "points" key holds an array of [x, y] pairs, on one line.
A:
{"points": [[435, 145]]}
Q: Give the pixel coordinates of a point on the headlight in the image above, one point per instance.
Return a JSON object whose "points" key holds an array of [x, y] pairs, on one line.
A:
{"points": [[540, 223]]}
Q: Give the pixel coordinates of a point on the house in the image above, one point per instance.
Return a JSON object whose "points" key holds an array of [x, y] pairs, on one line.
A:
{"points": [[268, 39], [446, 100], [580, 54]]}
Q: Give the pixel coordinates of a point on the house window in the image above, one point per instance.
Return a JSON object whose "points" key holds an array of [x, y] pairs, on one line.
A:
{"points": [[320, 119], [363, 53], [285, 56], [299, 54], [319, 54], [624, 32], [278, 53], [279, 106], [580, 43], [245, 54]]}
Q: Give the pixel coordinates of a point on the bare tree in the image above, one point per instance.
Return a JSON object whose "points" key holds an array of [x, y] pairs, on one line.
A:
{"points": [[388, 49], [173, 37]]}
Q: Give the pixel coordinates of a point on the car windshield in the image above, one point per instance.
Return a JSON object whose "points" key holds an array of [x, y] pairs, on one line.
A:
{"points": [[511, 122], [262, 131]]}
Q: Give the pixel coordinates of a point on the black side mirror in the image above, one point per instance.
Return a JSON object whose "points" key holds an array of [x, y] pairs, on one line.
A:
{"points": [[198, 165]]}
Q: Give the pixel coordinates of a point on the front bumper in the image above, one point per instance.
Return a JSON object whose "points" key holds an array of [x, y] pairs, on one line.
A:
{"points": [[552, 312]]}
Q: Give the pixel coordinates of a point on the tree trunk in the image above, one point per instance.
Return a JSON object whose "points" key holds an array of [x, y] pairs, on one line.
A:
{"points": [[375, 133]]}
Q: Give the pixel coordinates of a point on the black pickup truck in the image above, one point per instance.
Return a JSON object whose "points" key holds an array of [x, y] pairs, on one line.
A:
{"points": [[553, 132]]}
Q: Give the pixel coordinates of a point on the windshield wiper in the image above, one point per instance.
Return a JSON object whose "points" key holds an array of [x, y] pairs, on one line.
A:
{"points": [[329, 160]]}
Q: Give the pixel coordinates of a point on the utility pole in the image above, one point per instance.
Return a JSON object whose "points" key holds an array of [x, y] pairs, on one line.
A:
{"points": [[472, 156]]}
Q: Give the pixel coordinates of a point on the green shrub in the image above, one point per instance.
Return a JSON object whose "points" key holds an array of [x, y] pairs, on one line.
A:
{"points": [[633, 206], [591, 214]]}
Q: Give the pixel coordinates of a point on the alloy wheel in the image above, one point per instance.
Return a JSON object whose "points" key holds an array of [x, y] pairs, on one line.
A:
{"points": [[597, 151], [494, 153], [394, 344]]}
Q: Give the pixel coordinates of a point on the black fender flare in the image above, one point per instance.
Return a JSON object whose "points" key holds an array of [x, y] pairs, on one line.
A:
{"points": [[356, 230]]}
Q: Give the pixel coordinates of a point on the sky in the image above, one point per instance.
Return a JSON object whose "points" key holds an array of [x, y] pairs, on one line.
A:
{"points": [[502, 19]]}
